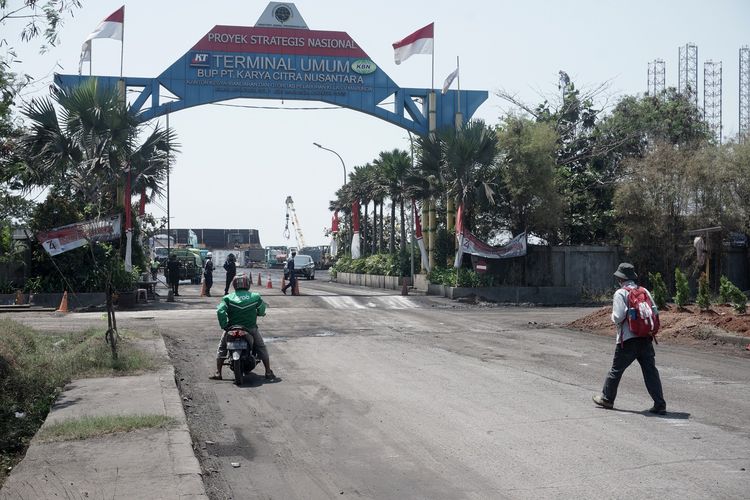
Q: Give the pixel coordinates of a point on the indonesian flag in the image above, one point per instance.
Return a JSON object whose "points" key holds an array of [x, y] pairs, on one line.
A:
{"points": [[420, 241], [419, 42], [111, 27], [355, 227], [459, 236]]}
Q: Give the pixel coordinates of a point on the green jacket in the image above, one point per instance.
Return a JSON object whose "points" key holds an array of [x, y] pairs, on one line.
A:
{"points": [[240, 308]]}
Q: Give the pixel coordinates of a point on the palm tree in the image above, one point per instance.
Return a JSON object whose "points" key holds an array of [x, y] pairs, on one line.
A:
{"points": [[395, 165], [468, 155], [81, 142]]}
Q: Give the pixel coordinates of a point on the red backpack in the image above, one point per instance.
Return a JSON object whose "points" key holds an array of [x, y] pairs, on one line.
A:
{"points": [[643, 320]]}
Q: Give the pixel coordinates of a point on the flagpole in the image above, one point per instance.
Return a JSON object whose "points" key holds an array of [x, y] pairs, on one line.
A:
{"points": [[91, 55], [433, 59], [458, 67], [122, 42]]}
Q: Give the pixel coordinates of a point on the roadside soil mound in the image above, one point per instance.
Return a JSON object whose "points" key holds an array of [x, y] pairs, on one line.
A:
{"points": [[679, 326]]}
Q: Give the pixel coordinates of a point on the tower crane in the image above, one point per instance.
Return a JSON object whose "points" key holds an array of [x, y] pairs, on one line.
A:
{"points": [[295, 223]]}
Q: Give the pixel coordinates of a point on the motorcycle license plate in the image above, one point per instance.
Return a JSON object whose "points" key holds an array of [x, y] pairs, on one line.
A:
{"points": [[240, 344]]}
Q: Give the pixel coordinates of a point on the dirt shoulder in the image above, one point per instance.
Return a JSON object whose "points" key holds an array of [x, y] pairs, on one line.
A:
{"points": [[718, 328]]}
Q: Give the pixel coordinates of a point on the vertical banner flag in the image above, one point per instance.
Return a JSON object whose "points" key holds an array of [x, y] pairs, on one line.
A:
{"points": [[419, 42], [127, 203], [459, 236], [111, 27], [334, 230], [355, 230], [418, 235]]}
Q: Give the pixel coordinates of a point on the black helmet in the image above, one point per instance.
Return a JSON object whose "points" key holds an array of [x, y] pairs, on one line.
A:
{"points": [[241, 282], [230, 257]]}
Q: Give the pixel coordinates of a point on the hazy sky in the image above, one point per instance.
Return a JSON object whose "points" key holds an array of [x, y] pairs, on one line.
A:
{"points": [[262, 156]]}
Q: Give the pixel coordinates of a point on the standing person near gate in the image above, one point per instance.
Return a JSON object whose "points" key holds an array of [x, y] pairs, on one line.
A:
{"points": [[231, 268], [173, 270], [208, 273], [636, 321], [292, 275]]}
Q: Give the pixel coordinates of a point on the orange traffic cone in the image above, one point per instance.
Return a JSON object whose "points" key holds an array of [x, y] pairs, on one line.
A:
{"points": [[269, 284], [283, 281], [404, 287], [203, 289], [63, 304], [295, 288], [260, 283]]}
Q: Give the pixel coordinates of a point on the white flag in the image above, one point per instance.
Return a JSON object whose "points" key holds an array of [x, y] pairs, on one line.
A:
{"points": [[111, 27], [449, 80]]}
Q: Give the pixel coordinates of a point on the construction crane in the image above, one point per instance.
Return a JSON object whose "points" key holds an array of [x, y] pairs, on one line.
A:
{"points": [[295, 223]]}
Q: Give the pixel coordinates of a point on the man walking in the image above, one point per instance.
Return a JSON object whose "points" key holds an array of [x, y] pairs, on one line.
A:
{"points": [[292, 276], [231, 268], [630, 346], [173, 270], [208, 273]]}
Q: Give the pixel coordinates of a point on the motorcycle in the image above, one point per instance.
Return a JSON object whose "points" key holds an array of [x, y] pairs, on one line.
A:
{"points": [[240, 359]]}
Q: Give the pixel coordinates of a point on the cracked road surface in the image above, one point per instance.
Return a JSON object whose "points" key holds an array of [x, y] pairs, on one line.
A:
{"points": [[383, 397]]}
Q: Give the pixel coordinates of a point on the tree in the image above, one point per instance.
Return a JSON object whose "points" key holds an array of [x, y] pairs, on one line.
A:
{"points": [[468, 159], [394, 167], [529, 199], [651, 205], [81, 142], [40, 18]]}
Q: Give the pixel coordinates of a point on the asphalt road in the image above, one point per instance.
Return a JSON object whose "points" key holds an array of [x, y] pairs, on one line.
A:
{"points": [[383, 396]]}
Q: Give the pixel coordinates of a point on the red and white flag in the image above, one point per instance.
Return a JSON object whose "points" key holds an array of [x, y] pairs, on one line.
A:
{"points": [[334, 230], [111, 27], [420, 240], [355, 229], [419, 42], [459, 236]]}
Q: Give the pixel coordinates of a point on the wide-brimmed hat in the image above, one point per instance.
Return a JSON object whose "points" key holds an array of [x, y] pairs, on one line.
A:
{"points": [[626, 271]]}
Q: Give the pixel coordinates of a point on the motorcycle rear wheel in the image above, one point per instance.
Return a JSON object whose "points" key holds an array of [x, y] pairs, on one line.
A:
{"points": [[238, 371]]}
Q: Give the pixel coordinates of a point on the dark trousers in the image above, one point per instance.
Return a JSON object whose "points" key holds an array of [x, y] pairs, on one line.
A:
{"points": [[175, 287], [209, 282], [292, 279], [230, 277], [641, 349]]}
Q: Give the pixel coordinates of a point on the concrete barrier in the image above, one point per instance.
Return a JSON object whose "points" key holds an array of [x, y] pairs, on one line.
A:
{"points": [[75, 301]]}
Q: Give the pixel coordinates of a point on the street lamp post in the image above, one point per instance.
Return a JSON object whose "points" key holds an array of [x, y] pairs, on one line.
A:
{"points": [[334, 152]]}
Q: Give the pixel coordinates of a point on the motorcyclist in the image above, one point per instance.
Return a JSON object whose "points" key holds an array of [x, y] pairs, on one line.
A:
{"points": [[241, 309]]}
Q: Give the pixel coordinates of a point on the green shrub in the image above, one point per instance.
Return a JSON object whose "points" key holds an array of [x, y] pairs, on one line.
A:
{"points": [[658, 290], [738, 299], [682, 296], [703, 299], [725, 287], [466, 277]]}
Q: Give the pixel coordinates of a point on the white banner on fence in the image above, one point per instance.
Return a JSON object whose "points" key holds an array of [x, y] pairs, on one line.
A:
{"points": [[62, 239]]}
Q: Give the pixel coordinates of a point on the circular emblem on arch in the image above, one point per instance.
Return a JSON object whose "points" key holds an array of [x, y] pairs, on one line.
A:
{"points": [[282, 13], [364, 66]]}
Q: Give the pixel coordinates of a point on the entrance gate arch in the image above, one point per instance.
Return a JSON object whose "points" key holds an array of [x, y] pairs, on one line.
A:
{"points": [[281, 58]]}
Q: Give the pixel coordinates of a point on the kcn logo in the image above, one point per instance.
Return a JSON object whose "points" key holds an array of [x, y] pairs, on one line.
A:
{"points": [[200, 59]]}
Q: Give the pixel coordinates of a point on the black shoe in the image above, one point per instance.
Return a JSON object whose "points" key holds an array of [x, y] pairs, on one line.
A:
{"points": [[283, 291], [270, 375], [658, 409]]}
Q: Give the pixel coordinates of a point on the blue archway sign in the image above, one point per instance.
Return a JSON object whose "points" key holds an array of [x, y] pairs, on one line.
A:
{"points": [[281, 58]]}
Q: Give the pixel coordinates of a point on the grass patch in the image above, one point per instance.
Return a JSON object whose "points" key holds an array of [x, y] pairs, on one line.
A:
{"points": [[88, 427], [35, 366]]}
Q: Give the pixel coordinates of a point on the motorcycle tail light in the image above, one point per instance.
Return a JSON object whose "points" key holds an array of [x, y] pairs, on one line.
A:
{"points": [[237, 333]]}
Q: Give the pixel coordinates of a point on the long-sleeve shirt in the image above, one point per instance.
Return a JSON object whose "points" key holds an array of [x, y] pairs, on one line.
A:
{"points": [[620, 311], [240, 308]]}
